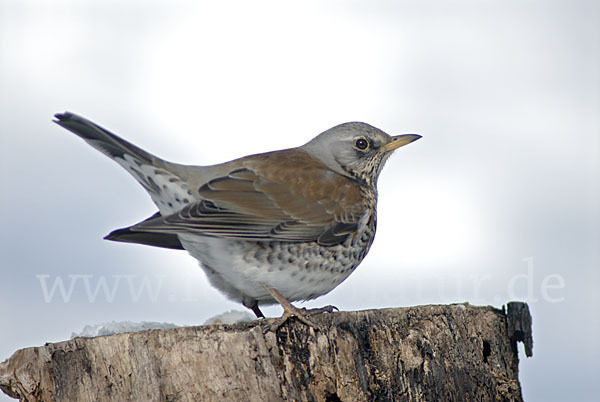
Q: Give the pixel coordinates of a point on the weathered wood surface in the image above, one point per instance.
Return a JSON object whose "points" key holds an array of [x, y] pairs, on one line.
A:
{"points": [[426, 353]]}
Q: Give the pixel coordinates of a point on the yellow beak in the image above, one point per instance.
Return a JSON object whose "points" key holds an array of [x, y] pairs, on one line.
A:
{"points": [[399, 141]]}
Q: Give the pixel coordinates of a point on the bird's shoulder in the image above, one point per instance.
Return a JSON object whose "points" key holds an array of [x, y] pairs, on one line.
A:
{"points": [[304, 176]]}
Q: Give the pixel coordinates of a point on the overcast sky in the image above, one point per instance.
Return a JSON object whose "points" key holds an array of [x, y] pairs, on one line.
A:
{"points": [[498, 201]]}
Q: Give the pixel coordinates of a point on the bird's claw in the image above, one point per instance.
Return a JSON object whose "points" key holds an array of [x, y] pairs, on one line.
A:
{"points": [[289, 310], [300, 314], [320, 310]]}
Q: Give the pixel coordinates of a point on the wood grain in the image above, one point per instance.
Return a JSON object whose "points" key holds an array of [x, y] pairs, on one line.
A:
{"points": [[425, 353]]}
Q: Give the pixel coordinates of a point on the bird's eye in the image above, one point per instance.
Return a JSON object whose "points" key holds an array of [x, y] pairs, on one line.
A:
{"points": [[361, 143]]}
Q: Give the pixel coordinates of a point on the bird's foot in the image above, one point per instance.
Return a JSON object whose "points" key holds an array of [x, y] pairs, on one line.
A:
{"points": [[289, 310], [314, 311], [293, 312]]}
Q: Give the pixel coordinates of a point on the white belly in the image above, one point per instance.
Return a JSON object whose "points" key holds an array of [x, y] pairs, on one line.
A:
{"points": [[240, 268]]}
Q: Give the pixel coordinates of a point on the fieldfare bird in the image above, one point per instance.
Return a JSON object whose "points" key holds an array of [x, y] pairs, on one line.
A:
{"points": [[274, 227]]}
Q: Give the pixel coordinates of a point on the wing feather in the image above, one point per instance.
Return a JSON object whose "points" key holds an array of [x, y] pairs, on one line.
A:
{"points": [[280, 196]]}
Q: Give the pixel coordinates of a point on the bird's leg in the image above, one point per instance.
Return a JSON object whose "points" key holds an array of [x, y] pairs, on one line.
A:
{"points": [[289, 310], [253, 305], [257, 312]]}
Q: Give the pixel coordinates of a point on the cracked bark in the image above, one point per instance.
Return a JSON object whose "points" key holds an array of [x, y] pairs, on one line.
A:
{"points": [[426, 353]]}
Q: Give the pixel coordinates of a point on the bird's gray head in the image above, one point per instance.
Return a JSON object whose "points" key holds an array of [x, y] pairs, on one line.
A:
{"points": [[356, 149]]}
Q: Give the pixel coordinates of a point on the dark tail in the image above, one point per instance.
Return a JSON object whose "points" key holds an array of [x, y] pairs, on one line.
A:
{"points": [[102, 139]]}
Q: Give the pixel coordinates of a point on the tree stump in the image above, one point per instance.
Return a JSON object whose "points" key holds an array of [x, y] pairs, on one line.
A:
{"points": [[426, 353]]}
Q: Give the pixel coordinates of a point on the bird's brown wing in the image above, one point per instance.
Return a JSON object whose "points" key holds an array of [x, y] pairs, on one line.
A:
{"points": [[282, 196]]}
